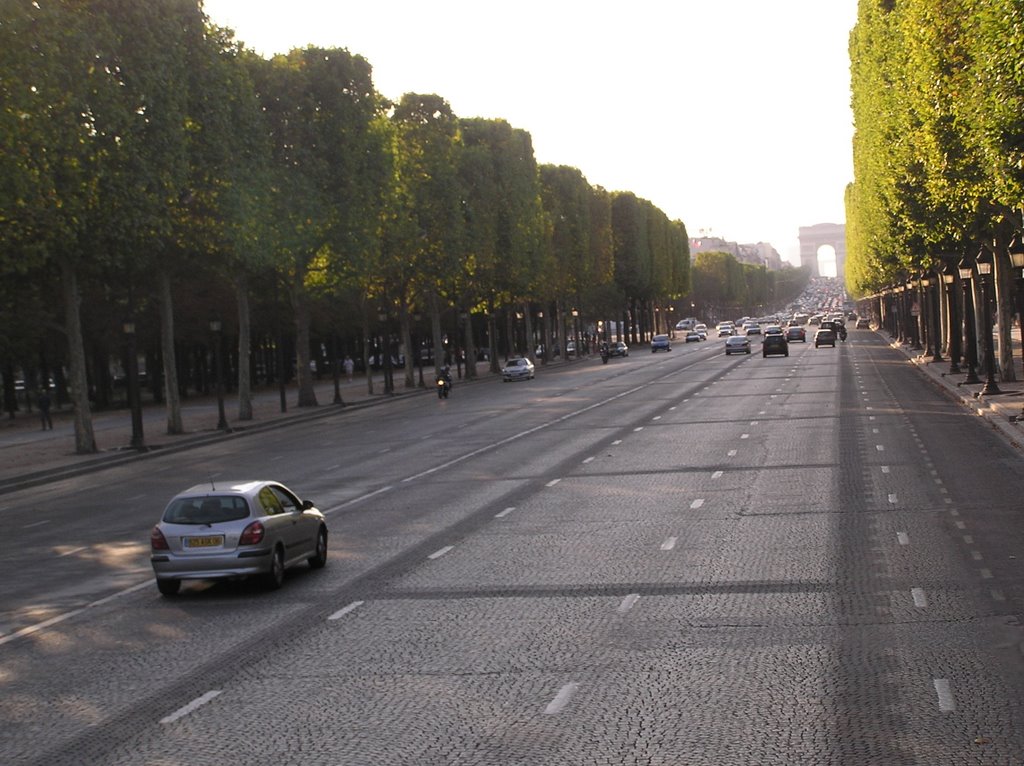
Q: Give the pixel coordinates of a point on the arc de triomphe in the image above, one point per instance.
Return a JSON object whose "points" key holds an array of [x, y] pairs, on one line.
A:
{"points": [[813, 238]]}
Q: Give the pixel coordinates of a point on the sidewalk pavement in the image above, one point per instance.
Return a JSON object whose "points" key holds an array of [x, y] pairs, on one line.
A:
{"points": [[30, 456], [1004, 412]]}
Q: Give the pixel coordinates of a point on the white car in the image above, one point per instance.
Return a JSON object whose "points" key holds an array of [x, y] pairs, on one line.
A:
{"points": [[517, 368]]}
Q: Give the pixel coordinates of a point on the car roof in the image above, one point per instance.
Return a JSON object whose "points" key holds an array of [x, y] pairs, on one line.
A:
{"points": [[249, 487]]}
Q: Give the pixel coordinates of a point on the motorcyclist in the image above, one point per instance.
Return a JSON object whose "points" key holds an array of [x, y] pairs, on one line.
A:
{"points": [[605, 351]]}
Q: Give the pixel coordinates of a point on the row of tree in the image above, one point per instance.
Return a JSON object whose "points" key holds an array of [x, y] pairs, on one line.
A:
{"points": [[938, 103]]}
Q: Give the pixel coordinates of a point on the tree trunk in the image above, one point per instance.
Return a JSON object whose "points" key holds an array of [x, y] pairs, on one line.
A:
{"points": [[244, 345], [300, 306], [173, 399], [406, 342], [531, 349], [85, 439], [1005, 299], [440, 352]]}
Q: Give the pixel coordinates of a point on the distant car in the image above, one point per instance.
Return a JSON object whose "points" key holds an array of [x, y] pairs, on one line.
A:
{"points": [[702, 332], [725, 329], [618, 349], [752, 328], [517, 368], [693, 337], [737, 344], [796, 332], [660, 343], [774, 343], [825, 336], [863, 324], [235, 529], [773, 329]]}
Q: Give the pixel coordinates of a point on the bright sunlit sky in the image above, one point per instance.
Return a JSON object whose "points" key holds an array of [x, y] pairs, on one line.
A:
{"points": [[730, 115]]}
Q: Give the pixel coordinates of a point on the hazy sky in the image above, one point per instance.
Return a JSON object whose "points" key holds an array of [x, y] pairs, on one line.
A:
{"points": [[730, 115]]}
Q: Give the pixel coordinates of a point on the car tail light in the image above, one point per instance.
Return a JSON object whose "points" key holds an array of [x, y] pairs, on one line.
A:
{"points": [[252, 534], [157, 541]]}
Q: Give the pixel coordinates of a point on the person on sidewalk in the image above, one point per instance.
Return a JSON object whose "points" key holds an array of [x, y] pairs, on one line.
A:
{"points": [[43, 402], [349, 366]]}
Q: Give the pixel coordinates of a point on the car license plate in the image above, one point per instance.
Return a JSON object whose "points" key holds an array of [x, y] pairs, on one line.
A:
{"points": [[211, 541]]}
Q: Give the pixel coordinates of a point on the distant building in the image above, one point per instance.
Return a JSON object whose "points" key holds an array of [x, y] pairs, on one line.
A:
{"points": [[759, 254], [814, 238]]}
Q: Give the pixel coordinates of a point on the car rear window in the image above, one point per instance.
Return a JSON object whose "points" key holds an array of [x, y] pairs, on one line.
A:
{"points": [[206, 510]]}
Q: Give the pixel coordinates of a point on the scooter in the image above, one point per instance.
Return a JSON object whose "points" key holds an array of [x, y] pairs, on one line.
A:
{"points": [[842, 334], [444, 386], [604, 356]]}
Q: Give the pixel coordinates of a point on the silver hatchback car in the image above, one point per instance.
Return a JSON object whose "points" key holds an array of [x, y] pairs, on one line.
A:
{"points": [[236, 529]]}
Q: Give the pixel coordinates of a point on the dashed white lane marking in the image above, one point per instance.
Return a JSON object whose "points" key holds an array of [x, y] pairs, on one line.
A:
{"points": [[892, 498], [561, 699], [997, 595], [732, 453], [960, 525], [193, 705], [903, 538], [885, 469], [72, 551], [874, 430], [669, 544], [588, 460], [744, 436], [36, 524], [656, 417], [617, 442], [880, 447], [345, 610], [986, 574], [954, 512], [969, 539], [136, 497], [505, 512], [628, 603], [717, 475], [638, 428], [671, 408], [697, 503], [552, 483], [277, 457], [439, 553], [920, 600], [333, 467], [945, 693], [976, 555], [754, 422], [871, 417]]}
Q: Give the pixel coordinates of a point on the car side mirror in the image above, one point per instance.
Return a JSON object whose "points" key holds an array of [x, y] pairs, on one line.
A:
{"points": [[307, 504]]}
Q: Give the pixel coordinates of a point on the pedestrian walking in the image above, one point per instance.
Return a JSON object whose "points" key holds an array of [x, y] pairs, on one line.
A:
{"points": [[43, 402], [349, 367]]}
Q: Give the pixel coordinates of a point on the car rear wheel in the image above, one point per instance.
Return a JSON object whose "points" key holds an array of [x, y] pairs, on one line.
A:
{"points": [[319, 558], [274, 579], [168, 587]]}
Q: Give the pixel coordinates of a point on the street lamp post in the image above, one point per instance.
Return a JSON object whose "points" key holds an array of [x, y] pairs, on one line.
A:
{"points": [[576, 331], [389, 383], [971, 356], [935, 328], [915, 312], [132, 363], [215, 328], [948, 278], [985, 261], [1016, 251]]}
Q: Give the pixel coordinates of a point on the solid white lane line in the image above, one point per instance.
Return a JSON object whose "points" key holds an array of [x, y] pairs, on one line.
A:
{"points": [[359, 499], [628, 603], [193, 705], [561, 699], [505, 512], [920, 600], [30, 629], [669, 544], [903, 538], [945, 693], [439, 553], [552, 483], [716, 475], [345, 610]]}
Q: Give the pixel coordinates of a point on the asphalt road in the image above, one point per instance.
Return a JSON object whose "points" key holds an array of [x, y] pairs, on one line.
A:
{"points": [[679, 558]]}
